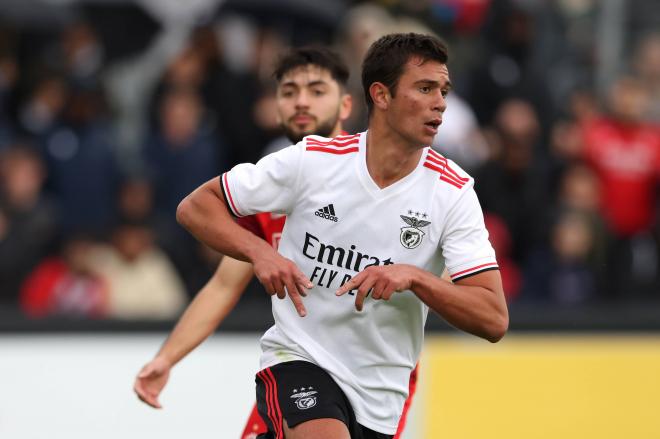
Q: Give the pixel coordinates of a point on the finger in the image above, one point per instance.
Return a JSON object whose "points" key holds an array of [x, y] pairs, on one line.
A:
{"points": [[296, 298], [268, 286], [146, 371], [362, 292], [379, 289], [279, 289], [144, 396], [298, 303], [389, 291], [304, 280], [351, 284], [302, 289]]}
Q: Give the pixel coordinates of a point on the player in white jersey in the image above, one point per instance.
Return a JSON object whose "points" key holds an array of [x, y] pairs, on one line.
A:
{"points": [[372, 221]]}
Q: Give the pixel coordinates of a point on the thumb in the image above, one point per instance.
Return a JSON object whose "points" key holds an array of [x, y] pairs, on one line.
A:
{"points": [[147, 371]]}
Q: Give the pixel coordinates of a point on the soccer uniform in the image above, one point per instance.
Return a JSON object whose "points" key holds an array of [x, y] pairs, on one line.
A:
{"points": [[338, 223], [268, 226]]}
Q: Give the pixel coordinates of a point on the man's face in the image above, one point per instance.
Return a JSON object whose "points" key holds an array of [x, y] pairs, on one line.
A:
{"points": [[310, 101], [415, 111]]}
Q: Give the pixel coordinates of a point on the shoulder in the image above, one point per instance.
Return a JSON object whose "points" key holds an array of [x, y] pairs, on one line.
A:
{"points": [[340, 145], [449, 176]]}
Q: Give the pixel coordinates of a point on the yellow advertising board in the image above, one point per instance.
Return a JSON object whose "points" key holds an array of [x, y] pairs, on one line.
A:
{"points": [[538, 387]]}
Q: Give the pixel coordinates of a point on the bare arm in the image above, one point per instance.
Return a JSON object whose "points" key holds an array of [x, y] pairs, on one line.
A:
{"points": [[205, 214], [209, 308], [475, 304]]}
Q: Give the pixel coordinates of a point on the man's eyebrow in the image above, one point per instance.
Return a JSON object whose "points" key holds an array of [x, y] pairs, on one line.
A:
{"points": [[309, 84], [317, 82], [448, 85]]}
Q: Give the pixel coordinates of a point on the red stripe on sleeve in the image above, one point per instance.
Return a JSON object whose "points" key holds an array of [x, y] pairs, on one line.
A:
{"points": [[445, 165], [444, 177]]}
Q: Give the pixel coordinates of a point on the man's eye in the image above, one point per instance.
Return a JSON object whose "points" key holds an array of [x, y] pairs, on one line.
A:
{"points": [[425, 89], [318, 92], [287, 94], [445, 93]]}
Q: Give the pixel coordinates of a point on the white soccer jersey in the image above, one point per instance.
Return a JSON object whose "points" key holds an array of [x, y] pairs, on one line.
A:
{"points": [[339, 222]]}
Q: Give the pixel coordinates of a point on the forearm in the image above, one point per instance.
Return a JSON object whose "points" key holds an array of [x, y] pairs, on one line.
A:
{"points": [[205, 215], [207, 310], [476, 309]]}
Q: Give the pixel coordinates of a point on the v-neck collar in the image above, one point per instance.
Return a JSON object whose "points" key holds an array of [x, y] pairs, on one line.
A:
{"points": [[369, 183]]}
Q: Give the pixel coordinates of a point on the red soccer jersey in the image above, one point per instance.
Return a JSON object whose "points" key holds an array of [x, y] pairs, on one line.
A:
{"points": [[627, 160], [267, 226]]}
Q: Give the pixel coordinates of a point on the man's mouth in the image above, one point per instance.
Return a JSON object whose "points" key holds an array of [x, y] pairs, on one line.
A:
{"points": [[435, 123], [302, 119]]}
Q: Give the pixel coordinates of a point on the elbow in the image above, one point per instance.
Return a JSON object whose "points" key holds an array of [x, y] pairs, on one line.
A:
{"points": [[184, 212], [498, 328]]}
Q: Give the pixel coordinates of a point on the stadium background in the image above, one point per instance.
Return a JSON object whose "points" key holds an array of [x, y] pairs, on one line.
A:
{"points": [[110, 111]]}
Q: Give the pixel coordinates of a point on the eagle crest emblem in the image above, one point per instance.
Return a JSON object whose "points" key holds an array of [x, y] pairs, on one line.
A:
{"points": [[412, 234]]}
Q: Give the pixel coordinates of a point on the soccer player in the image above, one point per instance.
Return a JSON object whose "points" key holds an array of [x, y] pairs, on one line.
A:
{"points": [[372, 219], [311, 98]]}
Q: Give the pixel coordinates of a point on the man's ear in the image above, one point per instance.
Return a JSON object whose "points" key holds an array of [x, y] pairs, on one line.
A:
{"points": [[345, 106], [380, 95]]}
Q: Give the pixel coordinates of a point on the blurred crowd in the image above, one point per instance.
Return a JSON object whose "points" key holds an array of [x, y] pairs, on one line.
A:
{"points": [[103, 133]]}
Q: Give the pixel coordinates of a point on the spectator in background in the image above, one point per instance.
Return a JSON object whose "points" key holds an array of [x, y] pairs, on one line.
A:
{"points": [[81, 157], [507, 67], [500, 238], [142, 282], [65, 284], [571, 278], [28, 218], [8, 75], [625, 153], [569, 267], [42, 110], [646, 65], [361, 26], [512, 185], [78, 55], [180, 154]]}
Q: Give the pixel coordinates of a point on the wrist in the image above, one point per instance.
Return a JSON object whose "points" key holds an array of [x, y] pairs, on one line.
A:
{"points": [[257, 249], [165, 359]]}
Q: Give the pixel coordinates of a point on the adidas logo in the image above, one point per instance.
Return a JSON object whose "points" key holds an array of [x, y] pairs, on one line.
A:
{"points": [[327, 212]]}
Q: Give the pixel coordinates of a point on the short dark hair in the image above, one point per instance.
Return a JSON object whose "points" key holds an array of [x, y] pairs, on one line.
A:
{"points": [[388, 55], [315, 55]]}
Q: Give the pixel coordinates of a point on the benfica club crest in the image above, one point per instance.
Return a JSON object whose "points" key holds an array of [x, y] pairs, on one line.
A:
{"points": [[411, 236], [305, 398]]}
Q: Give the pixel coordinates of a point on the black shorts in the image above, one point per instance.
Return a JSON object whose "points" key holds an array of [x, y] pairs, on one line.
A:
{"points": [[300, 391]]}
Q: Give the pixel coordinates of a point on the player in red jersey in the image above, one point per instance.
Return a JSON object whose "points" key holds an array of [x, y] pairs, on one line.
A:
{"points": [[311, 99]]}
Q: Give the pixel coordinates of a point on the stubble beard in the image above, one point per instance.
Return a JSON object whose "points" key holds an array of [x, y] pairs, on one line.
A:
{"points": [[323, 129]]}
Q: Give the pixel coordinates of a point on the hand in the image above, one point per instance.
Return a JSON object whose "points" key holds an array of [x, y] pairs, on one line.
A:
{"points": [[382, 281], [151, 380], [280, 276]]}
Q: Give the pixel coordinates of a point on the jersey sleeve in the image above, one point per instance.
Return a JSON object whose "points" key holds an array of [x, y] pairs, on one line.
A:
{"points": [[270, 185], [465, 245]]}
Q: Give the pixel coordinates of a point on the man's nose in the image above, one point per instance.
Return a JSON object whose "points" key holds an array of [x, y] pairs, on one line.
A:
{"points": [[440, 103], [302, 99]]}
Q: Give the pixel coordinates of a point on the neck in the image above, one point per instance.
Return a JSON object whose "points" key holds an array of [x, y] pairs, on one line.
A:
{"points": [[389, 156]]}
